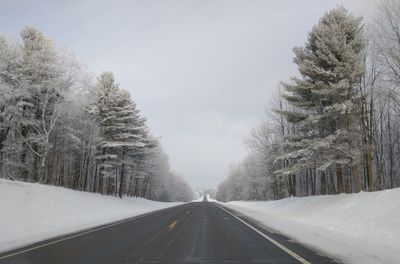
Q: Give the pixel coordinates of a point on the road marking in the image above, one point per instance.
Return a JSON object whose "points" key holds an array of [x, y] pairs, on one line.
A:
{"points": [[83, 233], [171, 226], [276, 243]]}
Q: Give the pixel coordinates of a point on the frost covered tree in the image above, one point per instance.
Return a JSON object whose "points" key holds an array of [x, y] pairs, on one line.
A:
{"points": [[386, 38], [340, 131], [381, 85], [8, 91], [122, 133], [58, 127], [37, 84], [254, 178], [264, 145], [162, 183], [325, 98]]}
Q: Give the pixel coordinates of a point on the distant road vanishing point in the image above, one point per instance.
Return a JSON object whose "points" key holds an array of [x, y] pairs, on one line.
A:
{"points": [[198, 232]]}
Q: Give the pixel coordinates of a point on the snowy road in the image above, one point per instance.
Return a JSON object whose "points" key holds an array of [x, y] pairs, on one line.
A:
{"points": [[199, 232]]}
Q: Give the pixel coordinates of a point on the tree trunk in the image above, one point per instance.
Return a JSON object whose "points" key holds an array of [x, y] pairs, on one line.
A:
{"points": [[339, 179], [389, 129], [370, 142], [323, 183], [135, 183], [3, 137], [356, 177], [292, 184], [95, 185], [122, 179], [333, 187]]}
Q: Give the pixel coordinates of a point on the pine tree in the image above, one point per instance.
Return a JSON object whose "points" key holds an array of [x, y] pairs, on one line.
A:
{"points": [[324, 97], [48, 135], [123, 133]]}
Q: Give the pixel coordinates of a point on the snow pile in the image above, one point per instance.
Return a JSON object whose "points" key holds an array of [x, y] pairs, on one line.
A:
{"points": [[356, 228], [33, 212]]}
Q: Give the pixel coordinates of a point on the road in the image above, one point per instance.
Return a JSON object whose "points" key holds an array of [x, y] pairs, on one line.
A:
{"points": [[200, 232]]}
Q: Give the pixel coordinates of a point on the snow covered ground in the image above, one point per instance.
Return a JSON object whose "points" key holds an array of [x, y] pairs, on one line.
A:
{"points": [[209, 199], [355, 228], [199, 199], [33, 212]]}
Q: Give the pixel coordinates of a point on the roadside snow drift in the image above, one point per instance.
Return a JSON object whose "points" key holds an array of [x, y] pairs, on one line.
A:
{"points": [[33, 212], [355, 228]]}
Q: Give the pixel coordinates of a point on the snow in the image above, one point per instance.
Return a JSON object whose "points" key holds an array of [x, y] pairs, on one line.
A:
{"points": [[199, 199], [209, 199], [33, 212], [355, 228]]}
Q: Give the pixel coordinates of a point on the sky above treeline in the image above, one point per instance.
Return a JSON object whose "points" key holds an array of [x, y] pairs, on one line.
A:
{"points": [[201, 71]]}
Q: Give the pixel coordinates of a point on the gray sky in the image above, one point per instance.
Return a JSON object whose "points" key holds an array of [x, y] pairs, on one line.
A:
{"points": [[201, 71]]}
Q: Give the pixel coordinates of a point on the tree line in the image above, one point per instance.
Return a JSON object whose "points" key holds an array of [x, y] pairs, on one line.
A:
{"points": [[59, 127], [335, 127]]}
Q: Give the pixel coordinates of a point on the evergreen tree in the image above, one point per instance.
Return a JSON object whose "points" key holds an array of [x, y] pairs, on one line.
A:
{"points": [[123, 133], [48, 135], [324, 97]]}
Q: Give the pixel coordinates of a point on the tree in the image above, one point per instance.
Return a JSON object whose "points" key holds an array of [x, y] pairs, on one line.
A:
{"points": [[342, 112], [264, 147], [384, 82], [57, 127], [8, 91], [330, 65], [386, 32], [123, 133], [42, 79]]}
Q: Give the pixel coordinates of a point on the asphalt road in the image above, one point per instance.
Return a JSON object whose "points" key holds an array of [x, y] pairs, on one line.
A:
{"points": [[191, 233]]}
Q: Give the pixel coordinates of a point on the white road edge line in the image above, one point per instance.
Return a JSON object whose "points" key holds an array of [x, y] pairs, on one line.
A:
{"points": [[81, 234], [276, 243]]}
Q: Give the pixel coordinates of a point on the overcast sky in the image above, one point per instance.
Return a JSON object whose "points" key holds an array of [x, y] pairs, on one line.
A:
{"points": [[201, 71]]}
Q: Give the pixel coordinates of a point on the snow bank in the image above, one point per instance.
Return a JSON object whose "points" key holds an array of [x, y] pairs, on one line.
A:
{"points": [[199, 199], [356, 228], [209, 199], [33, 212]]}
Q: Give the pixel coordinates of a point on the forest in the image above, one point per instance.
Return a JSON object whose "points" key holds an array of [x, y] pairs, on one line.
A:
{"points": [[334, 127], [59, 126]]}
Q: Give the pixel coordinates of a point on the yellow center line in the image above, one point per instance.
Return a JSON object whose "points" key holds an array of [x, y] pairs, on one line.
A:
{"points": [[173, 224]]}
